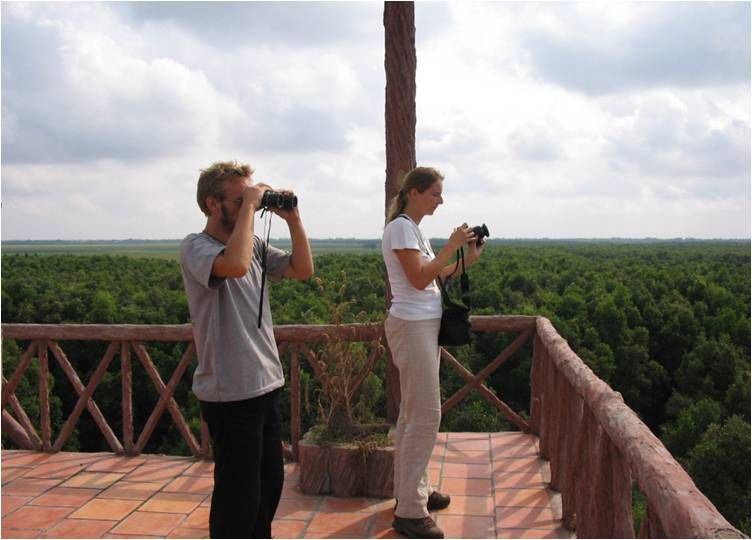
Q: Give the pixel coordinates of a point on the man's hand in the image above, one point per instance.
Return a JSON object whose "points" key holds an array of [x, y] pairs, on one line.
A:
{"points": [[253, 194], [287, 215]]}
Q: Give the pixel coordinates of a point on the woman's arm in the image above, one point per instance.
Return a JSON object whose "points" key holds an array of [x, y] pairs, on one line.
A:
{"points": [[421, 273], [472, 253]]}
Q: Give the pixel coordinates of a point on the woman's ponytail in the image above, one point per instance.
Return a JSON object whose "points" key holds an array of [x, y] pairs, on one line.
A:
{"points": [[420, 178], [397, 206]]}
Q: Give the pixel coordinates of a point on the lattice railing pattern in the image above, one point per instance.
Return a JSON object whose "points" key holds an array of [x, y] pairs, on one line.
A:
{"points": [[596, 445], [128, 341], [22, 429]]}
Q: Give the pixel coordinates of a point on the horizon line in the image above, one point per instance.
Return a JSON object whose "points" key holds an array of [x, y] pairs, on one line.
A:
{"points": [[374, 239]]}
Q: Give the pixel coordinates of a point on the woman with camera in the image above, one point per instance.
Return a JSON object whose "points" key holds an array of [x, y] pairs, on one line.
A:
{"points": [[412, 330]]}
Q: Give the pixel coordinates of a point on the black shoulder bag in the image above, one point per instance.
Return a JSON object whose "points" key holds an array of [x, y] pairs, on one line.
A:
{"points": [[455, 318]]}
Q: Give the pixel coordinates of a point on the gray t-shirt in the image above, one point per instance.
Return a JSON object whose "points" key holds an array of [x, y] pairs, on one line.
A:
{"points": [[236, 359]]}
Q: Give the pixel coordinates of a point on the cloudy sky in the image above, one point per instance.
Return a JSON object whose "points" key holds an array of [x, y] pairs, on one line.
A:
{"points": [[548, 119]]}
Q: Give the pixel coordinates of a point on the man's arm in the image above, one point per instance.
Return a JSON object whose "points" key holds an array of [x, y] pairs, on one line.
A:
{"points": [[301, 261], [235, 260]]}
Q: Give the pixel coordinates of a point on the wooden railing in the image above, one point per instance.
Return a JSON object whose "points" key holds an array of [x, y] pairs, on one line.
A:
{"points": [[596, 445], [294, 340], [124, 340]]}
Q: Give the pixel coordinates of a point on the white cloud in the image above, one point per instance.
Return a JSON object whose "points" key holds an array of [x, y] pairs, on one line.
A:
{"points": [[684, 140], [548, 119], [617, 47], [101, 100]]}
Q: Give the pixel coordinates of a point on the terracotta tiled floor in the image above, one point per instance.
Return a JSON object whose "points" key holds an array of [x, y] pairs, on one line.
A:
{"points": [[497, 484]]}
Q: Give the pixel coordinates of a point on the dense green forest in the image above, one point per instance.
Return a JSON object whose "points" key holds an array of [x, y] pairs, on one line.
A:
{"points": [[665, 324]]}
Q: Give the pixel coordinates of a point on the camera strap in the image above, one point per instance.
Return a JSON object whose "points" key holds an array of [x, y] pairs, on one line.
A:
{"points": [[267, 228], [464, 282]]}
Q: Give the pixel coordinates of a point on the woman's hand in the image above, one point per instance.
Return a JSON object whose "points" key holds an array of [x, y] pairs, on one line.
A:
{"points": [[473, 252], [461, 236]]}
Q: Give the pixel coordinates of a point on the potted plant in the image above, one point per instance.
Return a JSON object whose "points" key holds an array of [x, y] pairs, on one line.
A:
{"points": [[348, 452]]}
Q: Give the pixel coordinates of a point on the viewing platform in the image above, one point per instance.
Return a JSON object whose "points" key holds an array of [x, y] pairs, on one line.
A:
{"points": [[497, 482], [572, 469]]}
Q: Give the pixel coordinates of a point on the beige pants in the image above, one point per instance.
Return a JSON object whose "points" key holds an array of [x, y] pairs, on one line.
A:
{"points": [[415, 351]]}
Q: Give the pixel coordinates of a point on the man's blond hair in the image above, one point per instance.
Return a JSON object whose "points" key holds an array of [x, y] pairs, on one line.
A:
{"points": [[211, 181]]}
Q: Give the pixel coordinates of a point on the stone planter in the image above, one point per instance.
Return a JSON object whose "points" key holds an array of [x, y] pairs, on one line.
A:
{"points": [[345, 470]]}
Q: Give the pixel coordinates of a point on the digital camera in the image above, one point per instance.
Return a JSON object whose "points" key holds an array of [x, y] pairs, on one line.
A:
{"points": [[481, 231]]}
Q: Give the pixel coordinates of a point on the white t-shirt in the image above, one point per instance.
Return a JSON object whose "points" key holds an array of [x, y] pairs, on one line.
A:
{"points": [[408, 302]]}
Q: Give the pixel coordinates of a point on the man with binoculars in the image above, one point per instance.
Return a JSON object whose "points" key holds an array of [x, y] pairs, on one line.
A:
{"points": [[239, 375]]}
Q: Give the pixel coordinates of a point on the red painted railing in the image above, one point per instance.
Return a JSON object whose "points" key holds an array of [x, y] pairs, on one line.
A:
{"points": [[596, 445]]}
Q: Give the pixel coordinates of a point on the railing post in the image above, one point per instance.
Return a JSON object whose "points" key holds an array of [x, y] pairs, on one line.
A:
{"points": [[44, 396], [575, 448], [558, 429], [583, 476], [621, 494], [295, 400], [547, 407], [536, 368], [567, 431], [651, 524], [600, 514], [127, 395]]}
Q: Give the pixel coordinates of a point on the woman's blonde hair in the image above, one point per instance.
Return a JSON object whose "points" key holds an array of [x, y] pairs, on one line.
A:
{"points": [[420, 178]]}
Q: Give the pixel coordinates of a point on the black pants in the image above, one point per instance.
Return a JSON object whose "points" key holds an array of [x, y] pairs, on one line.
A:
{"points": [[248, 465]]}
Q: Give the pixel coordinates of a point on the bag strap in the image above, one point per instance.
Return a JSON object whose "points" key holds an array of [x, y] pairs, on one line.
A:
{"points": [[421, 240], [464, 282]]}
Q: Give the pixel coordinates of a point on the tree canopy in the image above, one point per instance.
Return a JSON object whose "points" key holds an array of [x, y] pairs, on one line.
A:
{"points": [[665, 324]]}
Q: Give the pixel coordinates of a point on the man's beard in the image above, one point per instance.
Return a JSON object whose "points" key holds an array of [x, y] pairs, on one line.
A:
{"points": [[226, 222]]}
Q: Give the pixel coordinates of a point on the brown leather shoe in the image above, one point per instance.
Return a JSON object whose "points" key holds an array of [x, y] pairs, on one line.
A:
{"points": [[437, 501], [417, 528]]}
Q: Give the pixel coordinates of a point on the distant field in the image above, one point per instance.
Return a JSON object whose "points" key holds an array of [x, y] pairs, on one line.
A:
{"points": [[166, 249], [161, 250]]}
